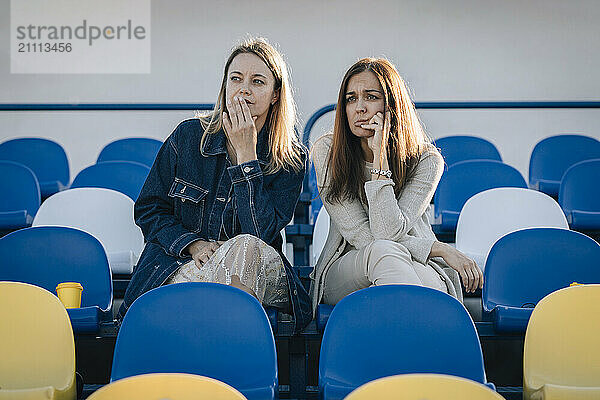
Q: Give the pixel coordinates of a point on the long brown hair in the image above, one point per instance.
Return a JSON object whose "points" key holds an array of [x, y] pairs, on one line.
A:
{"points": [[406, 141], [285, 148]]}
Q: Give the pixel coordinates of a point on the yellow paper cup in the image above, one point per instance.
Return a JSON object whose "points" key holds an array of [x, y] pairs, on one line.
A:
{"points": [[69, 294]]}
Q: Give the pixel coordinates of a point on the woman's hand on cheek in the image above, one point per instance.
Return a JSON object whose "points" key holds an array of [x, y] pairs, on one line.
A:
{"points": [[381, 129], [240, 130]]}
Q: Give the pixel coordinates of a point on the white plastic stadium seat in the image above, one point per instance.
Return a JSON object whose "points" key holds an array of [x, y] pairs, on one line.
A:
{"points": [[287, 248], [105, 214], [320, 233], [493, 213]]}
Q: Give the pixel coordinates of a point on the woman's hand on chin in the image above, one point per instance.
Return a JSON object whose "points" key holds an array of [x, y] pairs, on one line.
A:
{"points": [[378, 142], [381, 128], [240, 130]]}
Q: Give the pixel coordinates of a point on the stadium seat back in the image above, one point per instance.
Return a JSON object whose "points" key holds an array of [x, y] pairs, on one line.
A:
{"points": [[423, 386], [141, 150], [396, 329], [123, 176], [105, 214], [524, 266], [320, 233], [467, 178], [315, 200], [167, 386], [46, 256], [552, 156], [20, 197], [46, 158], [36, 343], [491, 214], [463, 148], [579, 194], [206, 329], [561, 353]]}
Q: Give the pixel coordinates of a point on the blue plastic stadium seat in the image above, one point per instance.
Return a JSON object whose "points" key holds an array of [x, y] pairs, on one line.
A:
{"points": [[20, 197], [579, 195], [272, 314], [315, 200], [48, 255], [552, 156], [323, 314], [126, 177], [524, 266], [46, 158], [199, 328], [464, 180], [141, 150], [396, 329], [463, 148], [312, 181]]}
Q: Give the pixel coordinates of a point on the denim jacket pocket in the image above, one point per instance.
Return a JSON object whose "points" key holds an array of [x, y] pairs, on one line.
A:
{"points": [[189, 202]]}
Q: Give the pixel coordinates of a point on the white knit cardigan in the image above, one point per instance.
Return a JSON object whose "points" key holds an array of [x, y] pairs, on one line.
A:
{"points": [[403, 220]]}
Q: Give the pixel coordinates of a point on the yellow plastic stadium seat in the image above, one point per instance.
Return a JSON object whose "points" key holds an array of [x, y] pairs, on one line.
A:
{"points": [[561, 358], [167, 387], [423, 386], [37, 350]]}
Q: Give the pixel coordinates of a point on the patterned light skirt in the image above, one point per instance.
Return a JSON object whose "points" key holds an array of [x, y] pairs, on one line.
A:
{"points": [[257, 264]]}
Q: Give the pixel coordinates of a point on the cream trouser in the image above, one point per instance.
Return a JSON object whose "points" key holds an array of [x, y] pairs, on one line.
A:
{"points": [[382, 262]]}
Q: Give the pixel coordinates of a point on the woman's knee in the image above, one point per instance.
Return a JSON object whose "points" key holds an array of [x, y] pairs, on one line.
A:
{"points": [[246, 238], [380, 249]]}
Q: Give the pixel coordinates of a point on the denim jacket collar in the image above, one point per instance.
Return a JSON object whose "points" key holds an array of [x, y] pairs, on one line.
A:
{"points": [[216, 143]]}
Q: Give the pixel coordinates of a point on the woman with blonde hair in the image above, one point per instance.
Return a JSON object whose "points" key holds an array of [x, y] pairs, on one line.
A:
{"points": [[222, 188], [376, 174]]}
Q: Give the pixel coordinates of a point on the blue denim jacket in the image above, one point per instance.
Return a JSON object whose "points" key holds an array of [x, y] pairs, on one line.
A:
{"points": [[196, 193]]}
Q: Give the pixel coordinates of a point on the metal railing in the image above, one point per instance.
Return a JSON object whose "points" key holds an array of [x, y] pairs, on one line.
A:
{"points": [[431, 105]]}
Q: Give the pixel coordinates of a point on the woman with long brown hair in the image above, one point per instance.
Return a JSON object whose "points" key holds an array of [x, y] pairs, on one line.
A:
{"points": [[376, 174], [223, 186]]}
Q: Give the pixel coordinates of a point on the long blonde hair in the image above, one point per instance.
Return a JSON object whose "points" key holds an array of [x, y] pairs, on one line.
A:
{"points": [[406, 142], [285, 148]]}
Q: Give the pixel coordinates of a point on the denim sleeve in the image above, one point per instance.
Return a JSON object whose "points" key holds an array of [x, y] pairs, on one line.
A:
{"points": [[265, 203], [154, 208]]}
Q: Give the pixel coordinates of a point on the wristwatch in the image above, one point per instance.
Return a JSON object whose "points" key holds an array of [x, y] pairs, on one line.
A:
{"points": [[387, 173]]}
